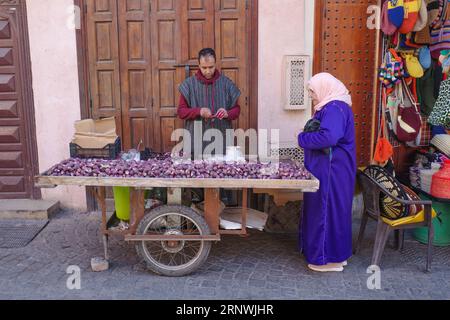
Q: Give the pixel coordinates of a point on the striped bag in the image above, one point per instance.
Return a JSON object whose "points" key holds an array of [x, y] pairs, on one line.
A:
{"points": [[440, 33]]}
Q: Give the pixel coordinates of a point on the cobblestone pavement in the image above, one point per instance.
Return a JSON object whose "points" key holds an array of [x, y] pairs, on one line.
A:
{"points": [[262, 266]]}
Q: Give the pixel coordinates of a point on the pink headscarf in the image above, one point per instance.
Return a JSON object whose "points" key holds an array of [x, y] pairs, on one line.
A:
{"points": [[328, 88]]}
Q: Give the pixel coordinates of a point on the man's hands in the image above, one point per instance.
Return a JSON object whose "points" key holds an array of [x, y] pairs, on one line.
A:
{"points": [[205, 113], [221, 114]]}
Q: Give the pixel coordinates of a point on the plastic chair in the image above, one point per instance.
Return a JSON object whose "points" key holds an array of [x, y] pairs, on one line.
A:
{"points": [[372, 190]]}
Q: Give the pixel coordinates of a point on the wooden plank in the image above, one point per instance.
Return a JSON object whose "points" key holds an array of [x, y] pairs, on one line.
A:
{"points": [[137, 209], [212, 209], [172, 238], [244, 211], [281, 197], [174, 196], [300, 185]]}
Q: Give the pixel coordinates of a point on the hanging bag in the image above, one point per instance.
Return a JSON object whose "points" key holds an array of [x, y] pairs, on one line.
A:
{"points": [[422, 20], [383, 148], [409, 121], [393, 102], [440, 116], [413, 65], [412, 8], [396, 12], [387, 26], [440, 32], [392, 70]]}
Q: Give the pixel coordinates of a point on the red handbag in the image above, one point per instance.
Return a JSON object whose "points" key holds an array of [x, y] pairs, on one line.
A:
{"points": [[409, 121], [383, 148]]}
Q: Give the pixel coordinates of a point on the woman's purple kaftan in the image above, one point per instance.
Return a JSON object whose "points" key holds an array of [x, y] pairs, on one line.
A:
{"points": [[326, 227]]}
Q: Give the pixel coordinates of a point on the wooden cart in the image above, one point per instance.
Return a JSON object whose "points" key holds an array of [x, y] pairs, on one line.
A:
{"points": [[174, 240]]}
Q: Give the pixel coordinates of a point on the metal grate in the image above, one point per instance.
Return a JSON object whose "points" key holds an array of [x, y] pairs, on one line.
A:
{"points": [[415, 252], [19, 233], [292, 153], [296, 74]]}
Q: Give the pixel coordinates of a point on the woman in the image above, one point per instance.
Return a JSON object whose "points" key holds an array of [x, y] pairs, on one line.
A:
{"points": [[330, 155]]}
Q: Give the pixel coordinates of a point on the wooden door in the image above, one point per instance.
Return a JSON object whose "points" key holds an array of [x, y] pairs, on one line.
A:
{"points": [[18, 162], [137, 49], [346, 47], [103, 59], [231, 45]]}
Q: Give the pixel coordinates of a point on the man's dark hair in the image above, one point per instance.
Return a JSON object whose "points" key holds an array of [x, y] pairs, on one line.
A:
{"points": [[207, 52]]}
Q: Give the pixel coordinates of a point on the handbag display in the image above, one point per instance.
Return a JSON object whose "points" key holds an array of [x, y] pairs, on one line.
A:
{"points": [[409, 121]]}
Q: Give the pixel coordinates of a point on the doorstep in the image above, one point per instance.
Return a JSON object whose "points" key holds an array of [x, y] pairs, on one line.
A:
{"points": [[28, 209]]}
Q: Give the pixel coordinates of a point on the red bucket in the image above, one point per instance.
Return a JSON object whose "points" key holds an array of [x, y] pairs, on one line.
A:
{"points": [[440, 185]]}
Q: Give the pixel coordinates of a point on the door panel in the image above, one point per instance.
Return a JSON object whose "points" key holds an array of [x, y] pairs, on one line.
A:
{"points": [[103, 53], [231, 47], [347, 50], [135, 73], [166, 53], [16, 109]]}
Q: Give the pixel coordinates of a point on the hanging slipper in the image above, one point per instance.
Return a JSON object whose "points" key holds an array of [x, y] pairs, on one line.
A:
{"points": [[425, 57], [423, 36], [422, 20], [387, 26], [411, 43], [396, 12], [435, 9], [412, 8]]}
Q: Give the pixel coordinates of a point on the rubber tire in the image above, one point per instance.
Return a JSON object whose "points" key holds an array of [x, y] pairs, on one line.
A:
{"points": [[192, 214]]}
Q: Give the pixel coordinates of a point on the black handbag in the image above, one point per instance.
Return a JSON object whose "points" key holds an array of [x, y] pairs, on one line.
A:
{"points": [[313, 125]]}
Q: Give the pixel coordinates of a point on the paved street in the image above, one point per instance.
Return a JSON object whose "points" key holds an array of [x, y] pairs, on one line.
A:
{"points": [[263, 266]]}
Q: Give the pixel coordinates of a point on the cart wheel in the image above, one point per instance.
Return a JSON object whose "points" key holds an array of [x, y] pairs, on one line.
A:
{"points": [[173, 258]]}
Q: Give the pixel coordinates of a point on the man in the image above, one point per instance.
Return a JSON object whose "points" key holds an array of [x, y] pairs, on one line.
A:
{"points": [[209, 100]]}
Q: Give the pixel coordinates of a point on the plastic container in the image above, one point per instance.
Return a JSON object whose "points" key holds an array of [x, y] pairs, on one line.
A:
{"points": [[426, 176], [122, 202], [441, 230], [110, 151], [440, 185]]}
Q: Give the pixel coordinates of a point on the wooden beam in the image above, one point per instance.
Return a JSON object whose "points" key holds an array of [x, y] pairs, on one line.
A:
{"points": [[212, 209]]}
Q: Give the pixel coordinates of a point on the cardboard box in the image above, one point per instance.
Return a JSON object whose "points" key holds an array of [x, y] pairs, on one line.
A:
{"points": [[92, 134]]}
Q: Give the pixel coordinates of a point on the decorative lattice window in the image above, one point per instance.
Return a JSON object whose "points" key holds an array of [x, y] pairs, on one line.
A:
{"points": [[296, 75], [288, 151]]}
